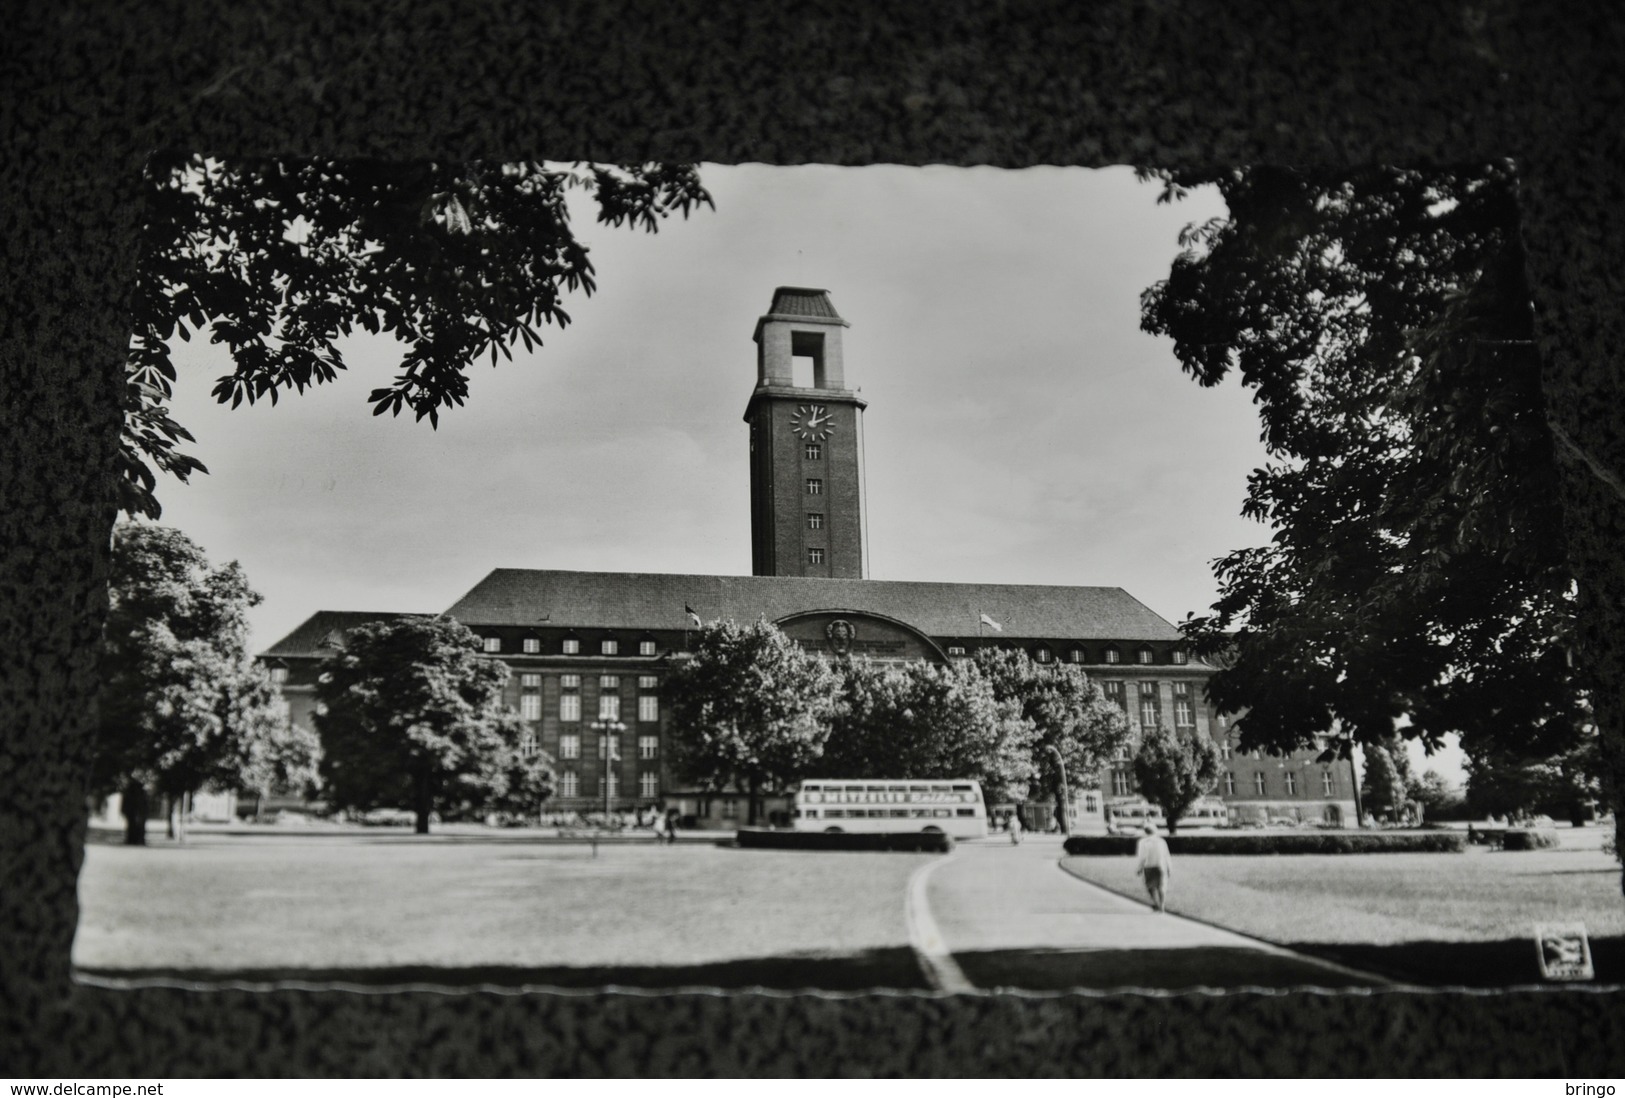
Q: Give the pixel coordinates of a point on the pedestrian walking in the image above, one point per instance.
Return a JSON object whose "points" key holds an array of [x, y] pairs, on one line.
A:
{"points": [[1015, 829], [1155, 865], [671, 825]]}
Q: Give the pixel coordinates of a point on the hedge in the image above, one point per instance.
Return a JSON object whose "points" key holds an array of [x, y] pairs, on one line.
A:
{"points": [[1519, 838], [918, 842], [1290, 842]]}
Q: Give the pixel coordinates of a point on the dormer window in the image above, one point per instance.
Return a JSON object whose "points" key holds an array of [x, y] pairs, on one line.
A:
{"points": [[1075, 656], [1113, 656], [279, 675], [533, 645], [1042, 654], [1145, 655], [646, 647], [1181, 656], [572, 646], [609, 647], [493, 644]]}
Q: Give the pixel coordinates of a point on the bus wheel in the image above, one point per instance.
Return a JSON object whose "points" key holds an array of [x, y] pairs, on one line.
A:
{"points": [[931, 829], [834, 831]]}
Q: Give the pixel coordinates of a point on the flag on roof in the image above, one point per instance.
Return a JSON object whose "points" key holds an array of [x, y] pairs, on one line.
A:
{"points": [[692, 616], [991, 624]]}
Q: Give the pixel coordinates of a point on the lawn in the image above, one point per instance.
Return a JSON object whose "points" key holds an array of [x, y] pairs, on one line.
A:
{"points": [[1464, 918], [396, 908]]}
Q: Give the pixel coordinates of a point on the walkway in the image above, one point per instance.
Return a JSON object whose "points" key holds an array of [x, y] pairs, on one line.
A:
{"points": [[996, 915]]}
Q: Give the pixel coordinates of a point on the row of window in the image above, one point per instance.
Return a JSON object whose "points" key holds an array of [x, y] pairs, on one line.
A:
{"points": [[609, 744], [571, 646], [532, 680], [1290, 779], [609, 707], [648, 784], [1045, 654]]}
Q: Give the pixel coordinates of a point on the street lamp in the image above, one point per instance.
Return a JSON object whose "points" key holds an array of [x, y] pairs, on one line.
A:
{"points": [[611, 754]]}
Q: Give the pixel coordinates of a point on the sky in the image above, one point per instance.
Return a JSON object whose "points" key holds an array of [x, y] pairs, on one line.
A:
{"points": [[1020, 429]]}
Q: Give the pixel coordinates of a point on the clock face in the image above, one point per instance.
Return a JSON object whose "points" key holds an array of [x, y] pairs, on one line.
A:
{"points": [[811, 421]]}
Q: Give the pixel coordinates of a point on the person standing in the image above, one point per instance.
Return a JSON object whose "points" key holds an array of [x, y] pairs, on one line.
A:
{"points": [[1155, 865], [1014, 827]]}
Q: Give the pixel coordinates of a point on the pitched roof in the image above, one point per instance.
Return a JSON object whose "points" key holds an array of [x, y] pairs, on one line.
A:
{"points": [[308, 636], [803, 301], [653, 600]]}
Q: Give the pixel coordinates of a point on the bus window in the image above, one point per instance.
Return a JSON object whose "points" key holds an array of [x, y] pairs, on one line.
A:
{"points": [[810, 787], [795, 813], [965, 812], [831, 813], [918, 787], [941, 812], [962, 789], [875, 789]]}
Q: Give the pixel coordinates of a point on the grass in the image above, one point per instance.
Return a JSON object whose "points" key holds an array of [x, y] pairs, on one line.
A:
{"points": [[389, 908], [1430, 918]]}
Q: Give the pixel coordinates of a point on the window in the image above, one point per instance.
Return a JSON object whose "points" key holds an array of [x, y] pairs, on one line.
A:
{"points": [[279, 675], [527, 743], [570, 745], [1182, 689], [1183, 717], [609, 682], [1181, 656], [1075, 655], [609, 647], [1229, 780], [648, 747], [569, 784], [614, 784], [1113, 656], [1258, 782], [1326, 782], [1043, 654], [1120, 783], [530, 680], [530, 707], [609, 707], [646, 648], [1114, 692], [648, 707], [815, 452], [532, 646], [956, 650], [1291, 784], [730, 809], [648, 785], [815, 520], [1145, 655], [570, 682], [569, 707], [610, 743], [1224, 749], [493, 644], [572, 646], [815, 487], [815, 556], [1148, 705]]}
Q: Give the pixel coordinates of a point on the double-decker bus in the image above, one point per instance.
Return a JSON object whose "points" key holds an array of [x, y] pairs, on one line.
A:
{"points": [[1130, 817], [953, 806]]}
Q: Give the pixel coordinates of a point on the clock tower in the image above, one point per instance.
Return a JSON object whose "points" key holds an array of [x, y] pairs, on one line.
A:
{"points": [[806, 444]]}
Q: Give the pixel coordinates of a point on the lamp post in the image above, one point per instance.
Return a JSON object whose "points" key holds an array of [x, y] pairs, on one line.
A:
{"points": [[612, 754], [1065, 794]]}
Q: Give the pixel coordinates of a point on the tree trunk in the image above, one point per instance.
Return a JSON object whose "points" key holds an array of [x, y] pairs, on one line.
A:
{"points": [[133, 806], [424, 804], [754, 812], [179, 829]]}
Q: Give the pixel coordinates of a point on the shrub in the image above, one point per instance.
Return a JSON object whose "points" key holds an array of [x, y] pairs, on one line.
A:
{"points": [[918, 842], [1318, 842], [1522, 838]]}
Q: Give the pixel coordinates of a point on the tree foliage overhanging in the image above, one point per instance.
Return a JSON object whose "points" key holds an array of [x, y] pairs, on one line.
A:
{"points": [[281, 259], [1416, 579]]}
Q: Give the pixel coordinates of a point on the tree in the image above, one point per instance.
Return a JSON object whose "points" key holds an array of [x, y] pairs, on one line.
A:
{"points": [[1070, 716], [411, 715], [1509, 783], [282, 259], [182, 706], [1437, 797], [1174, 769], [1385, 789], [749, 709], [920, 720], [1416, 581]]}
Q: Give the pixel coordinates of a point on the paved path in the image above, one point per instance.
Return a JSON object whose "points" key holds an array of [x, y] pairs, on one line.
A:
{"points": [[997, 915]]}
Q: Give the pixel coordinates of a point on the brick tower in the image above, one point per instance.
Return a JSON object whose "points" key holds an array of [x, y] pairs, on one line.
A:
{"points": [[806, 444]]}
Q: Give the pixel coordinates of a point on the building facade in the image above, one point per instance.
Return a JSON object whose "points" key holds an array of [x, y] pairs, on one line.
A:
{"points": [[588, 650]]}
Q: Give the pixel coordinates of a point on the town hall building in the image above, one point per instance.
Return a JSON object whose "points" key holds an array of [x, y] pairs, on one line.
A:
{"points": [[588, 650]]}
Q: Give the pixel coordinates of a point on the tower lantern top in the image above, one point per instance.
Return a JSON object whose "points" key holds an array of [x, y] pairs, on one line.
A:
{"points": [[801, 322]]}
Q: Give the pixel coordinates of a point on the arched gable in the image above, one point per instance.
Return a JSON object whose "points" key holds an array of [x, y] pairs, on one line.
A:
{"points": [[860, 633]]}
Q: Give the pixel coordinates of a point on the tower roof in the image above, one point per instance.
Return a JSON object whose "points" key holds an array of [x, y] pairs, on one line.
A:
{"points": [[803, 302]]}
